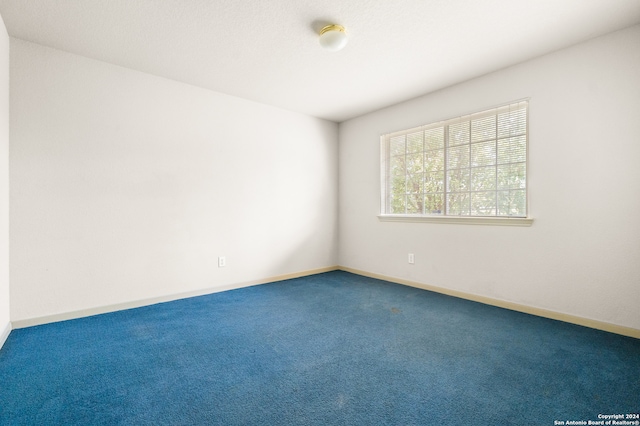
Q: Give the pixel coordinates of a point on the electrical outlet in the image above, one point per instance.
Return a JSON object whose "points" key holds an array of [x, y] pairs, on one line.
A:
{"points": [[222, 262], [411, 258]]}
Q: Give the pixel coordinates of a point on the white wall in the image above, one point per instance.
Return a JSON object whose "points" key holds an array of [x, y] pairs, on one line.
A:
{"points": [[4, 183], [127, 186], [582, 254]]}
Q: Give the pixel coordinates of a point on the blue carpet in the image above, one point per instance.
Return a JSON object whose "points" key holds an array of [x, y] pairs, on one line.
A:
{"points": [[329, 349]]}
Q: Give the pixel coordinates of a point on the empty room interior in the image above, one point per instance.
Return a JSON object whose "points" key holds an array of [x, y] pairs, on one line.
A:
{"points": [[320, 212]]}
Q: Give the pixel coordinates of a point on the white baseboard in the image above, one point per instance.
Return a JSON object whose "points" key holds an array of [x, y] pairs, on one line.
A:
{"points": [[586, 322], [153, 300], [4, 334]]}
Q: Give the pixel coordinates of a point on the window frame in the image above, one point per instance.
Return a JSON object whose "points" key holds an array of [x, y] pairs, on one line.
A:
{"points": [[385, 155]]}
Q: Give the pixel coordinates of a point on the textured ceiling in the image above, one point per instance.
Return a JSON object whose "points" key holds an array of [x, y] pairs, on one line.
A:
{"points": [[267, 50]]}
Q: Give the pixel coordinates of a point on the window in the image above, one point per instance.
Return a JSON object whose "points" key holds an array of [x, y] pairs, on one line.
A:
{"points": [[470, 166]]}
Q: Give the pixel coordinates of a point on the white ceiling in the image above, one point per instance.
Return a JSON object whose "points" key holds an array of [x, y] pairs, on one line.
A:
{"points": [[267, 50]]}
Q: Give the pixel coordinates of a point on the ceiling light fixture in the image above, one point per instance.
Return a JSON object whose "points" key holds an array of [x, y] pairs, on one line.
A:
{"points": [[333, 37]]}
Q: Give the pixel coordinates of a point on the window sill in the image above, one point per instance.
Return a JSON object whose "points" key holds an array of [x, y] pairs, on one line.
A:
{"points": [[459, 220]]}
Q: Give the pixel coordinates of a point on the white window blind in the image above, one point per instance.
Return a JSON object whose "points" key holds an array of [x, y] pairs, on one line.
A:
{"points": [[474, 165]]}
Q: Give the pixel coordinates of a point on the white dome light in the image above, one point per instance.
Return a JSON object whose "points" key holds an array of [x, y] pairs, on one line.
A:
{"points": [[333, 37]]}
